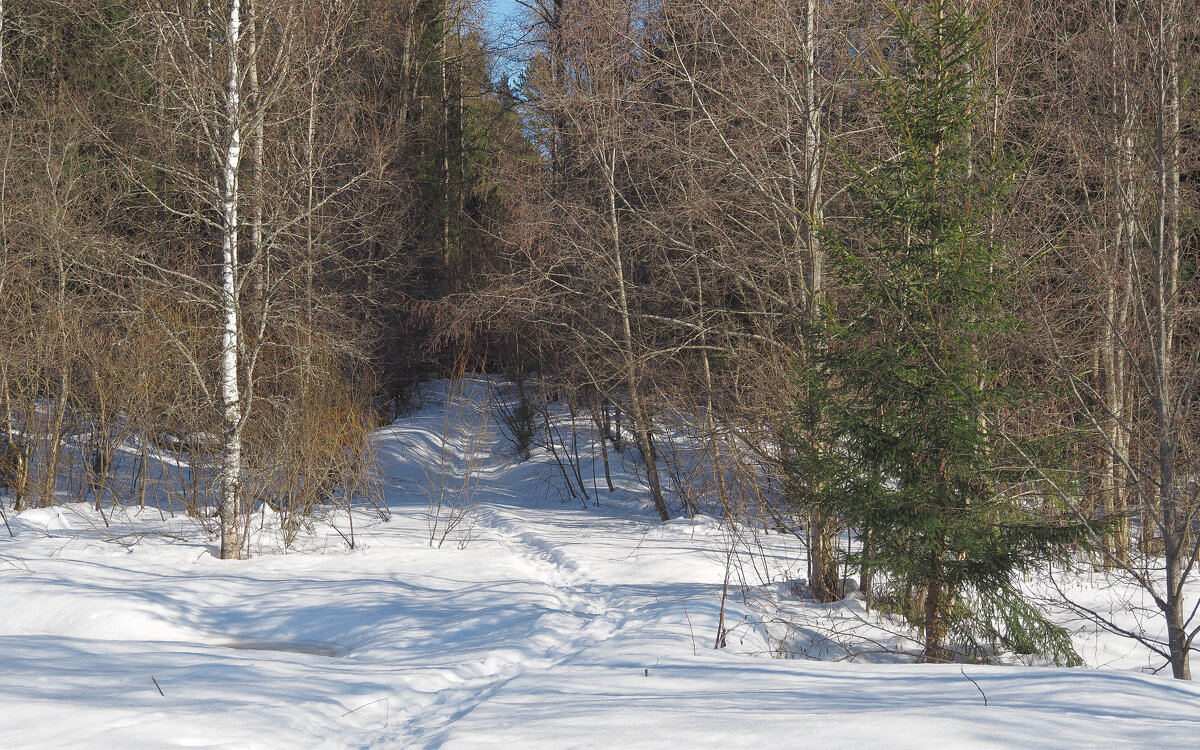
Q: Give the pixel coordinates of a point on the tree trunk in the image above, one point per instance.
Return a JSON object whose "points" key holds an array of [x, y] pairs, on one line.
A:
{"points": [[646, 442], [231, 402], [310, 219], [1118, 281], [822, 530], [1166, 252], [445, 127], [865, 571], [54, 438], [258, 259], [935, 625], [1178, 642], [638, 413], [600, 415], [823, 569]]}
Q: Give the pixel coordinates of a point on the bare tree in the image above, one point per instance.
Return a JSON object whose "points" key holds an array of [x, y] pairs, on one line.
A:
{"points": [[220, 78]]}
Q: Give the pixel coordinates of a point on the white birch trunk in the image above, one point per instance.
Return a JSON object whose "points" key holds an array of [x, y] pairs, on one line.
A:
{"points": [[1118, 293], [310, 162], [231, 402]]}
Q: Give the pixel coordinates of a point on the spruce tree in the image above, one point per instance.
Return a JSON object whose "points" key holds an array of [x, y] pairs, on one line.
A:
{"points": [[895, 437]]}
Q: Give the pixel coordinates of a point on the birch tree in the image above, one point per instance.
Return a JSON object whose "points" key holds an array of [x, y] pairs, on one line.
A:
{"points": [[232, 409], [251, 272]]}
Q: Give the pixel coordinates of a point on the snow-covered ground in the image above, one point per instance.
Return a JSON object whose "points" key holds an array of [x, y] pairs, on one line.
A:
{"points": [[538, 623]]}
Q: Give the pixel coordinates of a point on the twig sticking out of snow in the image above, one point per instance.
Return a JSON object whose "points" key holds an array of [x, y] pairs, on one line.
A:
{"points": [[387, 711], [689, 622], [973, 682]]}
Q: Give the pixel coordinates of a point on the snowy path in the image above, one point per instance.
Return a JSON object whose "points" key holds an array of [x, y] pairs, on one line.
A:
{"points": [[554, 627]]}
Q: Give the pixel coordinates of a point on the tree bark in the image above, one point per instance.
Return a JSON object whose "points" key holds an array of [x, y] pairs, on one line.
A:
{"points": [[934, 651], [822, 530], [231, 402], [1166, 279], [258, 259], [638, 413]]}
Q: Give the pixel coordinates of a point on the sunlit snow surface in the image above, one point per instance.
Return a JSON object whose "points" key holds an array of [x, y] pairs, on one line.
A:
{"points": [[538, 624]]}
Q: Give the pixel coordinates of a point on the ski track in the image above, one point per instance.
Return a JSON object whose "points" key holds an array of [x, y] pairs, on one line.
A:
{"points": [[551, 627], [591, 617]]}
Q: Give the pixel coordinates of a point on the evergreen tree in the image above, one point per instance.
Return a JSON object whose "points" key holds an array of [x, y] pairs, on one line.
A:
{"points": [[895, 437]]}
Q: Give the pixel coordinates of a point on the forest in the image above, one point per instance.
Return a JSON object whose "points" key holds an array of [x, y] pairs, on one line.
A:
{"points": [[914, 282]]}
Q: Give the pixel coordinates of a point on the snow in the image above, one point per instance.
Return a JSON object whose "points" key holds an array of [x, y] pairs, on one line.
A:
{"points": [[537, 624]]}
